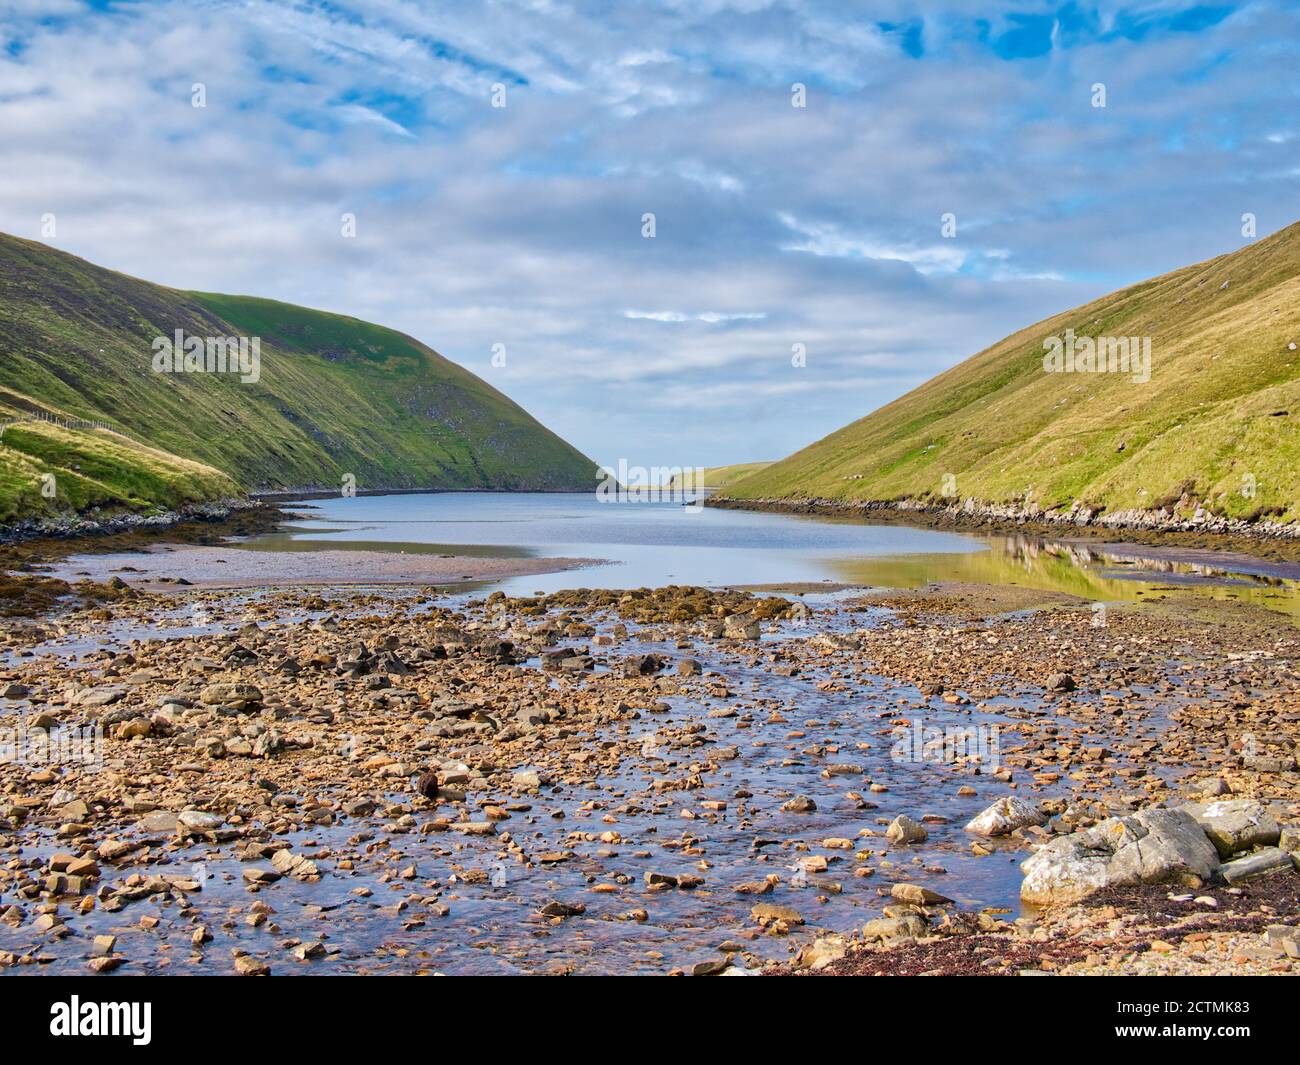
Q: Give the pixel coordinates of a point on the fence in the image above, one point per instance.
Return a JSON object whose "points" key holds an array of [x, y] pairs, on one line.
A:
{"points": [[62, 423]]}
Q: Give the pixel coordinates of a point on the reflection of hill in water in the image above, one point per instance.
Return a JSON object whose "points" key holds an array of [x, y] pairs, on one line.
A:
{"points": [[1071, 568]]}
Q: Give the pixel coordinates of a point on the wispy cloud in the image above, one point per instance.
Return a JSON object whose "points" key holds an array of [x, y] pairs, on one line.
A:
{"points": [[778, 229]]}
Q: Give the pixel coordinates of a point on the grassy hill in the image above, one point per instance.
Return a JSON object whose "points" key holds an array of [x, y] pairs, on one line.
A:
{"points": [[720, 476], [336, 395], [46, 469], [1217, 423]]}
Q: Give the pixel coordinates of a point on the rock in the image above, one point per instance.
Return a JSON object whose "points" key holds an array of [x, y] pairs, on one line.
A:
{"points": [[800, 804], [645, 665], [904, 830], [1289, 840], [247, 965], [235, 696], [1266, 763], [260, 876], [85, 867], [887, 929], [688, 667], [198, 822], [1149, 847], [1285, 938], [1005, 816], [740, 627], [15, 691], [715, 967], [766, 913], [103, 945], [105, 964], [1059, 682], [137, 726], [96, 697], [1236, 825], [527, 779], [562, 909], [822, 952], [160, 821], [920, 896], [268, 744], [294, 865], [426, 784], [1261, 863]]}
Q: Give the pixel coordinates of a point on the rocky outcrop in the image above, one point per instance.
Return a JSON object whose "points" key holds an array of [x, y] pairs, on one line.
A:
{"points": [[1147, 848], [1232, 840]]}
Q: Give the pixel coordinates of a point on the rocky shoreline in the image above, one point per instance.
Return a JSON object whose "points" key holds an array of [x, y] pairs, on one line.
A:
{"points": [[1167, 527], [96, 524], [674, 780], [1135, 931]]}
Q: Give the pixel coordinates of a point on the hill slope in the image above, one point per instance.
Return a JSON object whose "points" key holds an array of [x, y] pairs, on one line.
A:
{"points": [[48, 469], [336, 395], [718, 476], [1217, 423]]}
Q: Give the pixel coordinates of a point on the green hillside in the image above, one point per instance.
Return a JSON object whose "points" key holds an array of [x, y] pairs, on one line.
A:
{"points": [[718, 476], [46, 470], [336, 395], [1217, 423]]}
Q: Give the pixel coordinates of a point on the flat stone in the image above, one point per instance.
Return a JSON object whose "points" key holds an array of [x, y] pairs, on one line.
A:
{"points": [[1261, 863], [920, 896]]}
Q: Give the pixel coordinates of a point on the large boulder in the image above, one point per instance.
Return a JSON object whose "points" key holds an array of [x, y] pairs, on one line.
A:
{"points": [[1147, 848], [1005, 816], [1235, 825]]}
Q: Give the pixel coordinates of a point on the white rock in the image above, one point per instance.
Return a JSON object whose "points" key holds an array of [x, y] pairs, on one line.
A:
{"points": [[1005, 816], [1150, 847]]}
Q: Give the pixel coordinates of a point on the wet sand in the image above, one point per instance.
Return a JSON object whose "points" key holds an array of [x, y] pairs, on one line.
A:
{"points": [[233, 567]]}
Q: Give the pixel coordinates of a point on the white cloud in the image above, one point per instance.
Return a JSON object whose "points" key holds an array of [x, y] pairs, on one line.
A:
{"points": [[521, 225]]}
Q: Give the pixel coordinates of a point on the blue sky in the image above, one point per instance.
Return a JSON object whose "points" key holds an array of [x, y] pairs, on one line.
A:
{"points": [[775, 225]]}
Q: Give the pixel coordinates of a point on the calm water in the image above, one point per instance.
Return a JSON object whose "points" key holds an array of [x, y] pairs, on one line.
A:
{"points": [[645, 543], [651, 543]]}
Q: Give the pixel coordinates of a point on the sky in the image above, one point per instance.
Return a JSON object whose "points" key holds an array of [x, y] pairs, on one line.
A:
{"points": [[948, 179]]}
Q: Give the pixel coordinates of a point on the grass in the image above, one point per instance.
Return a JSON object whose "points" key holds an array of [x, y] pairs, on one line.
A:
{"points": [[337, 396], [47, 470], [721, 476], [1218, 424]]}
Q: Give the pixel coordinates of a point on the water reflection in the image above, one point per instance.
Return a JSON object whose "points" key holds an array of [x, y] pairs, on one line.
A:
{"points": [[1100, 573]]}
